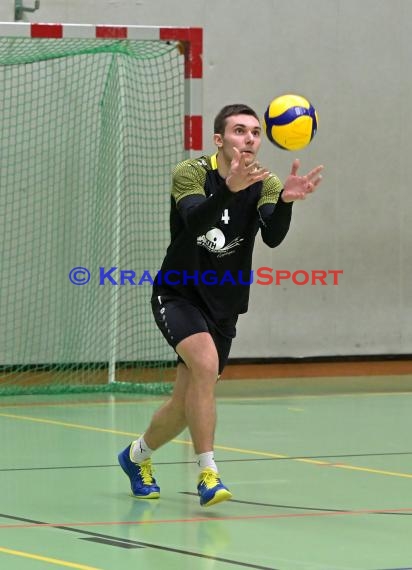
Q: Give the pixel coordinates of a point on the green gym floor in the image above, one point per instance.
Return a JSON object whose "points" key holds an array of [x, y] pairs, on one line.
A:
{"points": [[321, 481]]}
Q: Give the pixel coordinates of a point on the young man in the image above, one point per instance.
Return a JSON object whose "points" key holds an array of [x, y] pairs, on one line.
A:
{"points": [[218, 204]]}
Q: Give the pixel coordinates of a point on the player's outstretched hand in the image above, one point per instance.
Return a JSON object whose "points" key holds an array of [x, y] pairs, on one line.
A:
{"points": [[242, 173], [298, 187]]}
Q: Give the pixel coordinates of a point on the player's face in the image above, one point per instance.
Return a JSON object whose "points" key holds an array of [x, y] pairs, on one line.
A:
{"points": [[242, 132]]}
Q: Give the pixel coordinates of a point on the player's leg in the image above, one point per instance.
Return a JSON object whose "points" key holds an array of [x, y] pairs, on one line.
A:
{"points": [[177, 319], [170, 419], [192, 402], [167, 422], [199, 353], [202, 354]]}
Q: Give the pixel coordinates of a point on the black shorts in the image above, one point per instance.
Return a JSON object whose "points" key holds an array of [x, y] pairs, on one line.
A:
{"points": [[178, 318]]}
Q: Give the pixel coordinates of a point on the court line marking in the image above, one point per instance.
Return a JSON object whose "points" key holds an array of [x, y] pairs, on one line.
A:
{"points": [[160, 547], [46, 559], [73, 525], [68, 425], [219, 447], [190, 462], [315, 462]]}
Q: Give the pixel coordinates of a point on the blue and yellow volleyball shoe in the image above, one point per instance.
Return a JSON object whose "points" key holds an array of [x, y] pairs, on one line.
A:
{"points": [[211, 489], [142, 482]]}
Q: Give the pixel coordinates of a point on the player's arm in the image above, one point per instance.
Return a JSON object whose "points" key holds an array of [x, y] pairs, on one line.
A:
{"points": [[199, 213], [274, 214]]}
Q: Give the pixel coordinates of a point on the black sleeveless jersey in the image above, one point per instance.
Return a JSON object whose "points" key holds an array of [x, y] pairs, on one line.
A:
{"points": [[213, 230]]}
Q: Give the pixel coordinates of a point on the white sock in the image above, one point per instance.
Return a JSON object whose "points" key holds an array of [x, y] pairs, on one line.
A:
{"points": [[140, 451], [206, 460]]}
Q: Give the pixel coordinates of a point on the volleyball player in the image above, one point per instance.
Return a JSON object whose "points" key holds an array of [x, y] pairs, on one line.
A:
{"points": [[218, 204]]}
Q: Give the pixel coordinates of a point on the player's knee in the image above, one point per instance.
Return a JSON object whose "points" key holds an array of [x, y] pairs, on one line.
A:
{"points": [[205, 369], [201, 358]]}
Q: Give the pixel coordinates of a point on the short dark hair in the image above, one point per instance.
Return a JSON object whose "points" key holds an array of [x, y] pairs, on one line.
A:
{"points": [[228, 111]]}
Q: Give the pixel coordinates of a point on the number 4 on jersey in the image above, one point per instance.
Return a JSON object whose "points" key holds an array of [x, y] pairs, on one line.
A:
{"points": [[225, 216]]}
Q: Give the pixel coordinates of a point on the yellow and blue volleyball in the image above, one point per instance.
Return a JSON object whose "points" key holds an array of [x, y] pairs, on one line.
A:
{"points": [[290, 122]]}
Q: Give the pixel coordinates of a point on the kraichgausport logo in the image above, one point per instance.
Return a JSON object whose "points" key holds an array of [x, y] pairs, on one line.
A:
{"points": [[114, 276]]}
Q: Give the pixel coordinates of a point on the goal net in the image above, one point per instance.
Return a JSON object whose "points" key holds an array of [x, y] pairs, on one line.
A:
{"points": [[89, 132]]}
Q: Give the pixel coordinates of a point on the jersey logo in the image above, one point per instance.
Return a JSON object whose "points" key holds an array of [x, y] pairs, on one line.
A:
{"points": [[203, 163], [215, 242]]}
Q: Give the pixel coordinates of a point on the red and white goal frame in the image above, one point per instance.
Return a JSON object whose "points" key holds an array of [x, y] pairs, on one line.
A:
{"points": [[191, 40]]}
